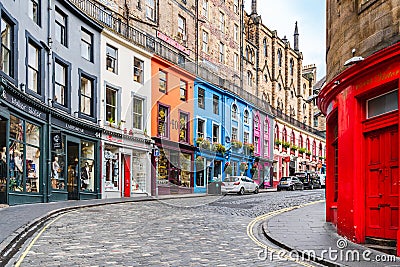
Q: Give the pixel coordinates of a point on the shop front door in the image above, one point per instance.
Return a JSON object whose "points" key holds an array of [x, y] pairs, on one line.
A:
{"points": [[127, 175], [382, 183], [73, 170]]}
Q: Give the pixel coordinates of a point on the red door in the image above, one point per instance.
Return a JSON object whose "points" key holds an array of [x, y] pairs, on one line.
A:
{"points": [[382, 188], [127, 176]]}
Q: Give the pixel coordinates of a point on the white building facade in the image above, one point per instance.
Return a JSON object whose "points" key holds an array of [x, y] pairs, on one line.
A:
{"points": [[124, 109]]}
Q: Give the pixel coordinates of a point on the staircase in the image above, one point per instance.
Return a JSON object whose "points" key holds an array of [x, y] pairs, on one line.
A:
{"points": [[387, 246]]}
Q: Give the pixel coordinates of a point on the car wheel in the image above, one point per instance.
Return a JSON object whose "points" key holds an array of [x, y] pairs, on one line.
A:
{"points": [[292, 188], [302, 187], [278, 189], [311, 187], [256, 191], [241, 192]]}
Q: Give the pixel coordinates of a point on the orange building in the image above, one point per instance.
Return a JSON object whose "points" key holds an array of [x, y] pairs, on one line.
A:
{"points": [[171, 128]]}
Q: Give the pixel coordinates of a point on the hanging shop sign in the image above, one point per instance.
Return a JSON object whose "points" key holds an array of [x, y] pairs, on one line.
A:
{"points": [[56, 140]]}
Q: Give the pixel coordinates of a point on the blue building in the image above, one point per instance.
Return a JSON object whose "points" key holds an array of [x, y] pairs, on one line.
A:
{"points": [[223, 134], [238, 125], [209, 134]]}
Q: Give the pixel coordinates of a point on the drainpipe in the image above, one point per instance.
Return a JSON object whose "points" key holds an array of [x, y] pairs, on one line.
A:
{"points": [[241, 44], [49, 102]]}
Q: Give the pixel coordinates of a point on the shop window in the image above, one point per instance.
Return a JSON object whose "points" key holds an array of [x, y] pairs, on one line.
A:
{"points": [[33, 68], [86, 45], [111, 105], [139, 172], [163, 117], [235, 167], [111, 58], [60, 83], [382, 104], [58, 163], [87, 166], [7, 47], [200, 172], [137, 113], [216, 104], [34, 11], [183, 127], [138, 70], [185, 165], [201, 98], [162, 81], [86, 95], [111, 170], [163, 168], [60, 27], [3, 157], [24, 155], [183, 90]]}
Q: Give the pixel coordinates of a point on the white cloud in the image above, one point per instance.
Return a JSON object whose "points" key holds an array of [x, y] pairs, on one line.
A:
{"points": [[310, 16]]}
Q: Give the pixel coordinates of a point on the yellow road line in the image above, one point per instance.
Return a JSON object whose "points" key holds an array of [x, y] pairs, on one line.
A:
{"points": [[36, 238], [251, 225]]}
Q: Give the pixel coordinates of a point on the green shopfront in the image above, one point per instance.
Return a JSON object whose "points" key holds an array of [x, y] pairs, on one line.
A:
{"points": [[45, 155]]}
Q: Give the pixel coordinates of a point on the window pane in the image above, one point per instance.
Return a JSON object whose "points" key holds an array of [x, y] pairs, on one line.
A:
{"points": [[382, 104], [32, 169], [32, 134], [137, 113], [16, 129]]}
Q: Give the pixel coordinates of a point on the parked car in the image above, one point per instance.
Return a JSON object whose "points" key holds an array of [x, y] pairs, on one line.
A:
{"points": [[322, 178], [310, 180], [290, 183], [238, 184]]}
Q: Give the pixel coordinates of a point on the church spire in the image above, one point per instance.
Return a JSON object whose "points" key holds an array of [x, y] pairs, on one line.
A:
{"points": [[296, 38], [253, 7]]}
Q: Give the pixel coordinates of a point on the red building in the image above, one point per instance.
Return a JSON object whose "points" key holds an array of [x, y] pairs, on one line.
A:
{"points": [[362, 183]]}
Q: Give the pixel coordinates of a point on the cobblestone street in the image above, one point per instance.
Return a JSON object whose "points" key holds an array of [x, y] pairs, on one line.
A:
{"points": [[203, 231]]}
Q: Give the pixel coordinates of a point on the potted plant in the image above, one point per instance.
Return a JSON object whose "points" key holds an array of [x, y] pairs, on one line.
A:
{"points": [[199, 163], [243, 167], [228, 170], [285, 144], [199, 140], [219, 148], [302, 150], [248, 148], [277, 142], [236, 144], [204, 144]]}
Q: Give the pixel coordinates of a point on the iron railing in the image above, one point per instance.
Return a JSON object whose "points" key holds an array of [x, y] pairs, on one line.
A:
{"points": [[116, 23]]}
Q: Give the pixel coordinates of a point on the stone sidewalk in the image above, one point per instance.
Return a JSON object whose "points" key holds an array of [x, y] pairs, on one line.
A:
{"points": [[305, 229]]}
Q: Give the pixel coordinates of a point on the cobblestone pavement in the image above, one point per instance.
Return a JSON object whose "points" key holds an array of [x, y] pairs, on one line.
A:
{"points": [[206, 231]]}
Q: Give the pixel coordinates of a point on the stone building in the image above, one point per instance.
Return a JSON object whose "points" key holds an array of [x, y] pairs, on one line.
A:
{"points": [[360, 101], [273, 70]]}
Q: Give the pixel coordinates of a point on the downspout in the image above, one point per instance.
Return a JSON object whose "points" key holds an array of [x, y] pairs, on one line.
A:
{"points": [[241, 44], [49, 102]]}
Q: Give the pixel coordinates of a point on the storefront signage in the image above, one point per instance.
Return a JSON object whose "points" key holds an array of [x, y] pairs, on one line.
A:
{"points": [[73, 128], [56, 141], [379, 78], [113, 139], [25, 107], [172, 42]]}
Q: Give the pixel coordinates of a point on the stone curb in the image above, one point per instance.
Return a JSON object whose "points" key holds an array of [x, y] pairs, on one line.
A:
{"points": [[10, 246], [298, 252]]}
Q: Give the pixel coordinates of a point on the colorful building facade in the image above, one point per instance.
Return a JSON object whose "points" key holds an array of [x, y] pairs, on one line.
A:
{"points": [[171, 127]]}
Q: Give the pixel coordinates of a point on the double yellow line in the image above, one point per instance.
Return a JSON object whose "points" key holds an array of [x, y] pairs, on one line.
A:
{"points": [[20, 260], [251, 225]]}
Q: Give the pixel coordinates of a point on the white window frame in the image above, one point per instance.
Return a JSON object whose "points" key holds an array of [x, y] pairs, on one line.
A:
{"points": [[204, 127], [134, 113], [205, 39]]}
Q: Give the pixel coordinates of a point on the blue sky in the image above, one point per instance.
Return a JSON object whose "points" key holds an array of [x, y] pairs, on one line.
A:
{"points": [[281, 16]]}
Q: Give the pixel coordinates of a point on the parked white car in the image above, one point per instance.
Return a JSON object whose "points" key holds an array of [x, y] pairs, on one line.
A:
{"points": [[239, 185]]}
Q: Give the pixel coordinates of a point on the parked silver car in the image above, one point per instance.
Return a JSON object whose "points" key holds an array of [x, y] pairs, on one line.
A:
{"points": [[238, 184], [290, 183]]}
